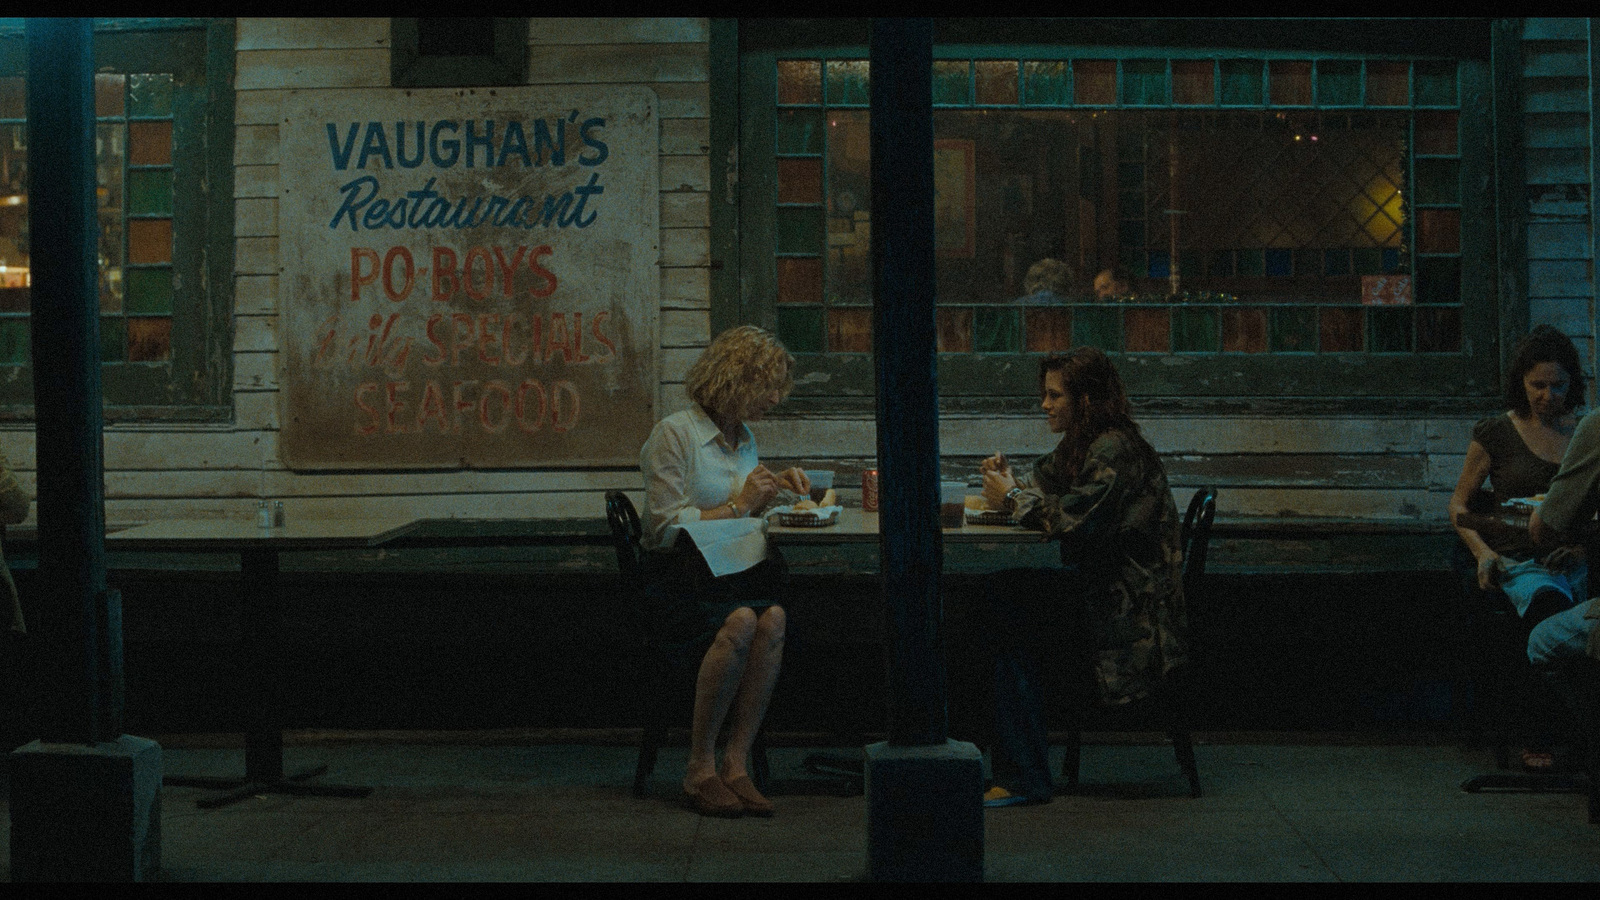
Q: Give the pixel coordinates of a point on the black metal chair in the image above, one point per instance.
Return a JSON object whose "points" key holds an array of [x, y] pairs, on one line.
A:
{"points": [[667, 691], [1170, 698]]}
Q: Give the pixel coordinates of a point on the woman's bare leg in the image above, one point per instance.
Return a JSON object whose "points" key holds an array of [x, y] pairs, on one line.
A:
{"points": [[721, 670], [755, 691]]}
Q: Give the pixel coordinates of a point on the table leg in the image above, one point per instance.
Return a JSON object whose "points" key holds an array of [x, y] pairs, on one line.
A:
{"points": [[263, 745]]}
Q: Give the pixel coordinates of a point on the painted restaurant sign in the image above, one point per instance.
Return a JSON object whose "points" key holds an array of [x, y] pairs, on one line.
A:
{"points": [[469, 277]]}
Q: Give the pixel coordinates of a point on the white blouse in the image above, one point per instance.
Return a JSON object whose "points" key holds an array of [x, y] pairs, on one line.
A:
{"points": [[688, 466]]}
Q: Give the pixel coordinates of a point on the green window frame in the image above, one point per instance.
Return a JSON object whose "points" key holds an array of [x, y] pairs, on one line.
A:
{"points": [[1186, 347], [164, 123]]}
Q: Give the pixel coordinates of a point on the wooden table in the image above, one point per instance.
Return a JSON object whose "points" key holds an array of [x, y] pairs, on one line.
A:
{"points": [[258, 549]]}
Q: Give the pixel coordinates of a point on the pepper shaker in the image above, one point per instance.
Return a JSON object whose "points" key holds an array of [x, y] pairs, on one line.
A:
{"points": [[277, 514], [264, 514]]}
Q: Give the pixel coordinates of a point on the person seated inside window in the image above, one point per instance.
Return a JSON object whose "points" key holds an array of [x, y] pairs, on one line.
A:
{"points": [[1116, 606], [1049, 282], [1518, 453], [1112, 284]]}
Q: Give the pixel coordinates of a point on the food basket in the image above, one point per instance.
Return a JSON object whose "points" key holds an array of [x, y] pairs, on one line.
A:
{"points": [[988, 517], [821, 517]]}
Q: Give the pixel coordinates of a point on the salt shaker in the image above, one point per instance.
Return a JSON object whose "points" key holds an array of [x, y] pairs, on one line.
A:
{"points": [[264, 514], [277, 513]]}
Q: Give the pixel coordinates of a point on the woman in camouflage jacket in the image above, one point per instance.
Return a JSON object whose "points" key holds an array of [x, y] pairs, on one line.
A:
{"points": [[1103, 493]]}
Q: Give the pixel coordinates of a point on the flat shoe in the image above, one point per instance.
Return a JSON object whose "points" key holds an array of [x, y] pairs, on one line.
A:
{"points": [[998, 797], [710, 797], [754, 804]]}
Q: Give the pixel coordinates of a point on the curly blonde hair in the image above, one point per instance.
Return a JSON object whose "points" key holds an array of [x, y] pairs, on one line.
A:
{"points": [[741, 366]]}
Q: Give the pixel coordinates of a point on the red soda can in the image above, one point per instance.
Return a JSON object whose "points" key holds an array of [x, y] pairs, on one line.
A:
{"points": [[869, 490]]}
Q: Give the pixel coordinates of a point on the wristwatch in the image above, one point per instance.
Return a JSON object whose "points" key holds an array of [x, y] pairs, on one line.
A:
{"points": [[1012, 495]]}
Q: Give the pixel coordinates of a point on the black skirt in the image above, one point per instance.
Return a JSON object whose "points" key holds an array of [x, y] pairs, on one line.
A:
{"points": [[687, 605]]}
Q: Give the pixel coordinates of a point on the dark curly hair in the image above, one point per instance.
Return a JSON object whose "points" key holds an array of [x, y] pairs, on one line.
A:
{"points": [[1087, 372], [1543, 344]]}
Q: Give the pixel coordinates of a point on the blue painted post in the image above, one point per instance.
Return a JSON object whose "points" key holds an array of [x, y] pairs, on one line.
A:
{"points": [[903, 336], [79, 621]]}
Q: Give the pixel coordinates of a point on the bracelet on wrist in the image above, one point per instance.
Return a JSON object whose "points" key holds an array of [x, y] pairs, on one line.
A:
{"points": [[733, 507]]}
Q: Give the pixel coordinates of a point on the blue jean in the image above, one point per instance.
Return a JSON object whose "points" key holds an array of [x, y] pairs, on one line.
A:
{"points": [[1562, 636]]}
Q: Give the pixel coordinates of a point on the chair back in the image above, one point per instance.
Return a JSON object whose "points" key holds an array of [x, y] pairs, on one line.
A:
{"points": [[626, 533], [1196, 537]]}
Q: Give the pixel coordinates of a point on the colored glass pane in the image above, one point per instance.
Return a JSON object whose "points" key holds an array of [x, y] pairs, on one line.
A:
{"points": [[1144, 82], [997, 81], [799, 131], [148, 290], [15, 342], [1046, 83], [1194, 82], [111, 285], [1308, 263], [1221, 264], [1335, 263], [799, 280], [800, 328], [1438, 181], [951, 82], [1097, 326], [996, 330], [113, 338], [150, 95], [150, 192], [15, 300], [1342, 330], [1252, 263], [149, 241], [1194, 330], [1390, 330], [799, 81], [1094, 82], [108, 95], [1388, 83], [1244, 330], [1279, 263], [1439, 330], [1241, 82], [149, 340], [1438, 132], [1290, 82], [850, 330], [1438, 280], [108, 170], [800, 180], [150, 143], [1439, 230], [800, 230], [1367, 260], [1049, 330], [1338, 82], [1160, 264], [1436, 83], [954, 330], [848, 82], [1147, 330], [1293, 330]]}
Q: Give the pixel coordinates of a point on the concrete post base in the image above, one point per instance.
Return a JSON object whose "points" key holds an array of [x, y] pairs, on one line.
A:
{"points": [[86, 812], [924, 812]]}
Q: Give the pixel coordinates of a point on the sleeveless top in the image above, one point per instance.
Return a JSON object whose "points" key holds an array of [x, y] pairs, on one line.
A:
{"points": [[1514, 471]]}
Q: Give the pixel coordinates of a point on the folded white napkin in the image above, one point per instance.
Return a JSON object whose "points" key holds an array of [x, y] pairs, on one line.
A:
{"points": [[728, 545]]}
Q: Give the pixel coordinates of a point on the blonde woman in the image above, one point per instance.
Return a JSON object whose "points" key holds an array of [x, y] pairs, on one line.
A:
{"points": [[700, 465]]}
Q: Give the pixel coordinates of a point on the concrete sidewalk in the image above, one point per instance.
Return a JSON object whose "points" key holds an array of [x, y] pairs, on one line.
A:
{"points": [[500, 806]]}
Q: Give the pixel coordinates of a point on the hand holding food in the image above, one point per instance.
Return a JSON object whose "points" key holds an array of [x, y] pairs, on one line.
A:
{"points": [[795, 479], [995, 463], [759, 489], [995, 486]]}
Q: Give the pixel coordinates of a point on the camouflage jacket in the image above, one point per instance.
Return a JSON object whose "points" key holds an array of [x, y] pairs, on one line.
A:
{"points": [[14, 502], [1119, 528]]}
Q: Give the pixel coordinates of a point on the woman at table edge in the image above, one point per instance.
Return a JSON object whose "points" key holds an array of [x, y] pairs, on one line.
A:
{"points": [[1518, 453], [14, 502], [701, 465], [1104, 491]]}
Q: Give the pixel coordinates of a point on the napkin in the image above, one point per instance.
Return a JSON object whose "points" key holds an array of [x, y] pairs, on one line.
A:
{"points": [[728, 545]]}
